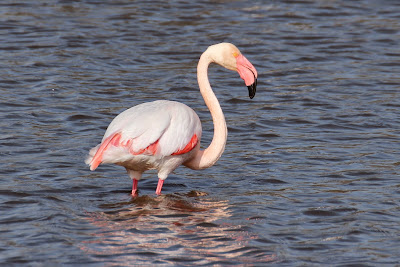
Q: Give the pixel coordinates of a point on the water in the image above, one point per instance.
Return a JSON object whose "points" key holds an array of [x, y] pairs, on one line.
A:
{"points": [[310, 175]]}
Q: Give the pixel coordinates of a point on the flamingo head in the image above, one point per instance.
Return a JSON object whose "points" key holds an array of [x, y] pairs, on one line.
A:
{"points": [[229, 56]]}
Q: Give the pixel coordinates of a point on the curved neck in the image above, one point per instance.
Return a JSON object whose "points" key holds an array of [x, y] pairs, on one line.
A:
{"points": [[206, 158]]}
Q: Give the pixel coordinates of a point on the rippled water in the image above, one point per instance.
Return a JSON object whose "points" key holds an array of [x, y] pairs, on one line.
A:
{"points": [[310, 175]]}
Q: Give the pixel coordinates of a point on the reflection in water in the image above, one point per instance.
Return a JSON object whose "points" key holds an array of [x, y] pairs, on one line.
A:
{"points": [[188, 228]]}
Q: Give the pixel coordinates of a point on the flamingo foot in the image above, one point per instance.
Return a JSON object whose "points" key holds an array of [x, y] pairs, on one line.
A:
{"points": [[159, 186], [134, 188]]}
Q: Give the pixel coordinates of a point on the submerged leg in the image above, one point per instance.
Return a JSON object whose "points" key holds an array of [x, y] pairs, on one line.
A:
{"points": [[159, 186], [134, 187], [135, 176]]}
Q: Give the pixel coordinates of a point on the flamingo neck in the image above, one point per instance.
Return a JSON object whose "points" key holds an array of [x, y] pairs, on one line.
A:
{"points": [[206, 158]]}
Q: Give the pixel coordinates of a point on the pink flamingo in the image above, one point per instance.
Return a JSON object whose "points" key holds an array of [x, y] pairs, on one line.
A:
{"points": [[164, 134]]}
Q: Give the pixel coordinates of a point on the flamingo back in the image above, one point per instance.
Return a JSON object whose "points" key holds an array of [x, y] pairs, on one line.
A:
{"points": [[160, 128]]}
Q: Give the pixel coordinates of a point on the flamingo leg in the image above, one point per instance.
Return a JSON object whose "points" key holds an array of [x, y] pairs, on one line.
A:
{"points": [[159, 186], [134, 187]]}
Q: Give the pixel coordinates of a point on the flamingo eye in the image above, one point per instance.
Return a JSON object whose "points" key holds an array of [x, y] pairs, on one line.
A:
{"points": [[235, 54]]}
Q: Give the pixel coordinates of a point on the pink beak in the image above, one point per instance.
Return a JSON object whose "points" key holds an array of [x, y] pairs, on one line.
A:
{"points": [[248, 73]]}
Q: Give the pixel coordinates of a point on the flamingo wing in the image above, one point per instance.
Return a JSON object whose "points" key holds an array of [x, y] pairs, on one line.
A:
{"points": [[160, 128]]}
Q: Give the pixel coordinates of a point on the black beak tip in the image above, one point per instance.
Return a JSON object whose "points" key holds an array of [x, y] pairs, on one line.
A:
{"points": [[252, 89]]}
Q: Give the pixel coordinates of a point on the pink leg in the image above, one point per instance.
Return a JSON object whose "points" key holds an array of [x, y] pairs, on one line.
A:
{"points": [[134, 187], [159, 186]]}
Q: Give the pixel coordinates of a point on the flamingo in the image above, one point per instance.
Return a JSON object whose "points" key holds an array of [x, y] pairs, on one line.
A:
{"points": [[164, 134]]}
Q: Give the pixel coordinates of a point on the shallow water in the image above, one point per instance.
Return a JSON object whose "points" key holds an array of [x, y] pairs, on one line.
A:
{"points": [[310, 175]]}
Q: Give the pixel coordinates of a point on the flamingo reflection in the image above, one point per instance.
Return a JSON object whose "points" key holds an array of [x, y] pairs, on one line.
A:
{"points": [[190, 228]]}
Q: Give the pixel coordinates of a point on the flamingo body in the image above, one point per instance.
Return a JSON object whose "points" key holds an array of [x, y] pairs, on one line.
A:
{"points": [[155, 135], [163, 134]]}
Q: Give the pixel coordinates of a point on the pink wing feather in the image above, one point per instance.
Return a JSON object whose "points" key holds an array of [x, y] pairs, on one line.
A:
{"points": [[160, 128]]}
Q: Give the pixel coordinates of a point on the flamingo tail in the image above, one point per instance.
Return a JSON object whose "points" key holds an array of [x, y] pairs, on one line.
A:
{"points": [[113, 139]]}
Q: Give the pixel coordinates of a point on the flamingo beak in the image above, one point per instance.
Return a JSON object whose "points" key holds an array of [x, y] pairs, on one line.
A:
{"points": [[252, 89], [248, 73]]}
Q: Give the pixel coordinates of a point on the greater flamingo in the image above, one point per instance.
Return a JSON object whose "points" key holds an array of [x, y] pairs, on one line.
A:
{"points": [[164, 134]]}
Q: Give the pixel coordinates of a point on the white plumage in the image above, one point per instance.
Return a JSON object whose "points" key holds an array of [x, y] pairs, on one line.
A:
{"points": [[170, 122]]}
